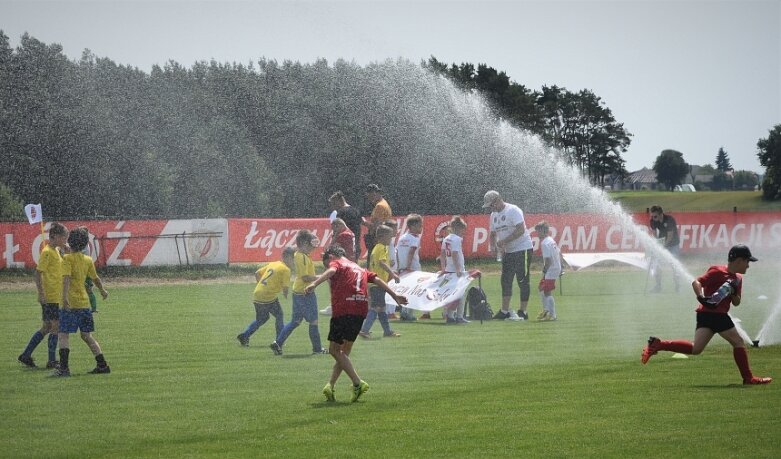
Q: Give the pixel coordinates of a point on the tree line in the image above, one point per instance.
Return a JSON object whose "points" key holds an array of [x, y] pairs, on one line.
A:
{"points": [[91, 138]]}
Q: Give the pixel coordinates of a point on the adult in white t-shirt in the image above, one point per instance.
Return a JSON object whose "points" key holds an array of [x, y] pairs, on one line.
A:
{"points": [[511, 239]]}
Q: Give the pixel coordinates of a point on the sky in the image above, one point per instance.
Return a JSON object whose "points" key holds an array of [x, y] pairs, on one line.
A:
{"points": [[692, 76]]}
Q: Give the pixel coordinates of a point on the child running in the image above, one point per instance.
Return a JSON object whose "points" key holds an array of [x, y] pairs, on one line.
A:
{"points": [[271, 280], [48, 281], [76, 313], [304, 304], [715, 290], [349, 301]]}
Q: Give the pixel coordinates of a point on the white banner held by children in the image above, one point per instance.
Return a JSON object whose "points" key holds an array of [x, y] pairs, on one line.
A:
{"points": [[428, 291]]}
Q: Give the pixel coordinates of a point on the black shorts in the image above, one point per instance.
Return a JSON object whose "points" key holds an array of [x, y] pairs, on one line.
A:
{"points": [[50, 312], [716, 322], [345, 328]]}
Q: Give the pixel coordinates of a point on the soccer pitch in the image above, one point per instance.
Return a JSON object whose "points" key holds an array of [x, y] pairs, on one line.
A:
{"points": [[181, 386]]}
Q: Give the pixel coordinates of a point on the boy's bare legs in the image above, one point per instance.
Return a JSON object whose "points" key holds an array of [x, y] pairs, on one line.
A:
{"points": [[93, 345], [341, 353], [97, 352]]}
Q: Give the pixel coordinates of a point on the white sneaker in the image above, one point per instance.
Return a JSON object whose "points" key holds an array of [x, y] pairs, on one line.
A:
{"points": [[326, 311], [513, 316]]}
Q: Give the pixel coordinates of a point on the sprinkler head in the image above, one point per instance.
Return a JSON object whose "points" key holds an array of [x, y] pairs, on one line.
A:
{"points": [[755, 343]]}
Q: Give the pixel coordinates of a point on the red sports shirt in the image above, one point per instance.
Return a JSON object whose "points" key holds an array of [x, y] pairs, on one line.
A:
{"points": [[349, 288], [712, 280], [346, 239]]}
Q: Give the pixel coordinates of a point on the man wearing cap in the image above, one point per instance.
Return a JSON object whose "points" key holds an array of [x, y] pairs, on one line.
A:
{"points": [[511, 240], [380, 212], [716, 290]]}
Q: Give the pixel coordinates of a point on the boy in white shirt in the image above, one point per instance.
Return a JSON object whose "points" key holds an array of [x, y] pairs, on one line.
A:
{"points": [[451, 260], [408, 254], [551, 270]]}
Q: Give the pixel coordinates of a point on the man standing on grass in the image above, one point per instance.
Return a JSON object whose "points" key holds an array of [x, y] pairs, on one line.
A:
{"points": [[665, 229], [511, 240], [381, 212], [350, 304]]}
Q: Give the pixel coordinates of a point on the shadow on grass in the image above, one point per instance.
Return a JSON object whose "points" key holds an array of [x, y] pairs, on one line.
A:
{"points": [[732, 386], [333, 405]]}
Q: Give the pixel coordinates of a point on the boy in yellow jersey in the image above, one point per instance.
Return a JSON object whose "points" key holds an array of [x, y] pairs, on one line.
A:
{"points": [[48, 281], [304, 304], [272, 279], [380, 265], [76, 313]]}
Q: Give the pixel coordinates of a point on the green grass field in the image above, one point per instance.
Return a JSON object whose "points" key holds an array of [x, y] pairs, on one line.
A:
{"points": [[711, 201], [181, 386]]}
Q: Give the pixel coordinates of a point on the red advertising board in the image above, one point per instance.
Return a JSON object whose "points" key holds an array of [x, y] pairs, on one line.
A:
{"points": [[133, 242], [254, 240]]}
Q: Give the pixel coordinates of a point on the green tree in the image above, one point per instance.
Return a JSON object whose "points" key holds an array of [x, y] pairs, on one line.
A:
{"points": [[11, 208], [721, 181], [722, 161], [745, 180], [670, 168], [770, 158], [723, 178]]}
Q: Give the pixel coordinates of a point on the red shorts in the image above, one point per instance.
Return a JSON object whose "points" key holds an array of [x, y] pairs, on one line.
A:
{"points": [[547, 285]]}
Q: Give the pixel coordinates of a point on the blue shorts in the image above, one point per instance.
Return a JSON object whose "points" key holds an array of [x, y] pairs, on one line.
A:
{"points": [[377, 298], [73, 320], [50, 312], [304, 307]]}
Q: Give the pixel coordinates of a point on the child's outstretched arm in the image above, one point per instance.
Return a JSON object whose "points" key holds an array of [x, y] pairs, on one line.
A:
{"points": [[327, 274], [399, 299], [390, 271]]}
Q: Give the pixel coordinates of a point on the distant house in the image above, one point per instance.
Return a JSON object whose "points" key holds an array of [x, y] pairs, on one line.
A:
{"points": [[701, 175], [644, 179]]}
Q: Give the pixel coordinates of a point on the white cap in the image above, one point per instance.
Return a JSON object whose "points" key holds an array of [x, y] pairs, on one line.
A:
{"points": [[490, 197]]}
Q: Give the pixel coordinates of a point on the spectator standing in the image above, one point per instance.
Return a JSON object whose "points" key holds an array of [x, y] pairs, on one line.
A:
{"points": [[381, 212], [665, 229]]}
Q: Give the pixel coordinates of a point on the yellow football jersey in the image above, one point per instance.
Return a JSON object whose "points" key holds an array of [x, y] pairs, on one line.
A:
{"points": [[79, 267], [274, 277], [380, 252], [304, 267], [50, 267]]}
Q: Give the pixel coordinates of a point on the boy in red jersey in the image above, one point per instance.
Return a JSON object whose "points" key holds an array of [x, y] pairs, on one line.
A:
{"points": [[350, 303], [717, 289]]}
